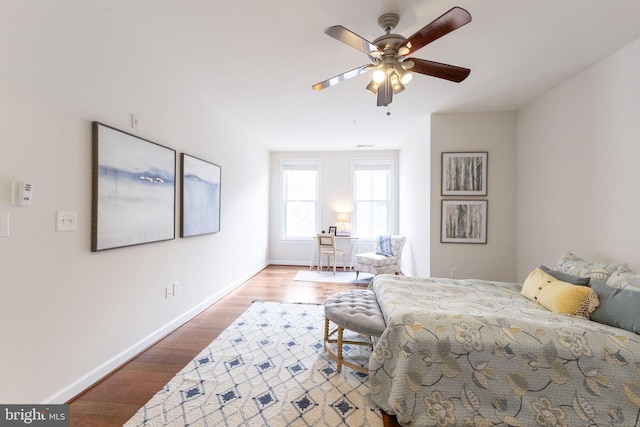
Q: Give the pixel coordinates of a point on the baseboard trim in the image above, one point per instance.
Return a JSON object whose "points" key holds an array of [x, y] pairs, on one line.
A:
{"points": [[94, 376]]}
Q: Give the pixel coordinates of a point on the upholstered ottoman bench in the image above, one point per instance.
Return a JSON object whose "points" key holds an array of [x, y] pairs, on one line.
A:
{"points": [[355, 310]]}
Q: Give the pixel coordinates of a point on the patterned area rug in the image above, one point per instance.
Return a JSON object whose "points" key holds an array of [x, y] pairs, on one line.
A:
{"points": [[328, 276], [268, 368]]}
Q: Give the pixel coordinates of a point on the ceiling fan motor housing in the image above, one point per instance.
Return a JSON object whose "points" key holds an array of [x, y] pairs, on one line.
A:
{"points": [[389, 43]]}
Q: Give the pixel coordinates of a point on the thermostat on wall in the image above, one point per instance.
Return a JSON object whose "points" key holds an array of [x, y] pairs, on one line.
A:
{"points": [[21, 193]]}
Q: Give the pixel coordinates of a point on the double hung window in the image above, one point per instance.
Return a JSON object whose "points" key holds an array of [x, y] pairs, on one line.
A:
{"points": [[372, 196], [300, 189]]}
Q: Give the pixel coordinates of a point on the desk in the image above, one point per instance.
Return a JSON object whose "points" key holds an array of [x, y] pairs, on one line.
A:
{"points": [[340, 241]]}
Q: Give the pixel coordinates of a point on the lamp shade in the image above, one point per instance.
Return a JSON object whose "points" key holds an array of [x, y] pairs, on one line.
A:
{"points": [[344, 216]]}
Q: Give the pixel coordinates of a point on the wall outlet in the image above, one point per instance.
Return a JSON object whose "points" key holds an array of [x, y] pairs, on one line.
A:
{"points": [[168, 291], [454, 273], [176, 288]]}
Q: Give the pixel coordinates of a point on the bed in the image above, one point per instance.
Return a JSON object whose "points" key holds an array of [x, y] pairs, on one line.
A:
{"points": [[474, 352]]}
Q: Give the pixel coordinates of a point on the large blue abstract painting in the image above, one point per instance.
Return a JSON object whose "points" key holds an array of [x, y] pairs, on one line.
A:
{"points": [[133, 190], [200, 196]]}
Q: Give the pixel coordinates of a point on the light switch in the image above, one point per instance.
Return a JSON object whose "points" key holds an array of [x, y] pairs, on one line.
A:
{"points": [[66, 221]]}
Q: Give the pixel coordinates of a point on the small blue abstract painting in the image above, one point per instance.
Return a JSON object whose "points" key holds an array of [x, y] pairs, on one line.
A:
{"points": [[200, 196]]}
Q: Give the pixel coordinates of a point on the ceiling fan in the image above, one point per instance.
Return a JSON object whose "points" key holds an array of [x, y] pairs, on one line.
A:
{"points": [[392, 68]]}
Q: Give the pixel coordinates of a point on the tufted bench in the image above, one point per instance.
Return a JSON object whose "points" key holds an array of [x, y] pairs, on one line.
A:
{"points": [[356, 310]]}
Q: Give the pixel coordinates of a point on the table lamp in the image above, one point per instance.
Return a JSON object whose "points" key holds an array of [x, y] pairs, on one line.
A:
{"points": [[342, 218]]}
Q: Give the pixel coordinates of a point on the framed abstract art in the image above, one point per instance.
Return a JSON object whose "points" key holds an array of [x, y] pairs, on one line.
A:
{"points": [[200, 196], [133, 190]]}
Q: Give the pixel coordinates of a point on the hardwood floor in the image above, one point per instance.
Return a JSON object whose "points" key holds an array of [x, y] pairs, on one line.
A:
{"points": [[117, 397]]}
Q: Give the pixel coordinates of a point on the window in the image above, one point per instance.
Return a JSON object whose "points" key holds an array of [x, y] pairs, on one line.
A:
{"points": [[372, 196], [300, 191]]}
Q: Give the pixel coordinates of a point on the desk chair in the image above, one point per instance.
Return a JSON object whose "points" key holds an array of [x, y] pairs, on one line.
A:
{"points": [[327, 246]]}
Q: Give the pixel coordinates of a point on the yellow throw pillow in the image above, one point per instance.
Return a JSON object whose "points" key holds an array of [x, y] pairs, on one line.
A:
{"points": [[559, 296]]}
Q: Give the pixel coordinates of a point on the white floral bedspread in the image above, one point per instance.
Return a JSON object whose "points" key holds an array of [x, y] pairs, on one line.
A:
{"points": [[472, 352]]}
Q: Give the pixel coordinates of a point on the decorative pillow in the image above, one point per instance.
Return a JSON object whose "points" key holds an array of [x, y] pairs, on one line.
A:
{"points": [[571, 264], [633, 283], [558, 296], [622, 277], [574, 280], [618, 307], [384, 246]]}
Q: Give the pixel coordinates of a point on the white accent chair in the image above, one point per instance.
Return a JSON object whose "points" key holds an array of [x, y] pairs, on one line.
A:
{"points": [[327, 246], [376, 263]]}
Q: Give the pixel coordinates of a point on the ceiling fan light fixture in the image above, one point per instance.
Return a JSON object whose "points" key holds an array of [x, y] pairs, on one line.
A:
{"points": [[406, 77], [379, 75], [373, 87], [395, 84]]}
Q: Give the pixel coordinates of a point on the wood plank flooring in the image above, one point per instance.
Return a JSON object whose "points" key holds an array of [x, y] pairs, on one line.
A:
{"points": [[116, 398]]}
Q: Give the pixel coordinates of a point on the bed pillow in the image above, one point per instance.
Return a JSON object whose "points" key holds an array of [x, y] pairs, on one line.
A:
{"points": [[576, 266], [618, 307], [384, 246], [624, 278], [558, 296], [569, 278]]}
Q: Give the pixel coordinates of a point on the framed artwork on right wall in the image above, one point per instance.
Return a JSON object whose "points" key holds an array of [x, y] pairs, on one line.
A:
{"points": [[464, 174], [464, 221]]}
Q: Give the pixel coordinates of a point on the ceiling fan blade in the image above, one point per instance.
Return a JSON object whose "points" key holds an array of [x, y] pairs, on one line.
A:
{"points": [[350, 38], [342, 77], [448, 22], [385, 93], [437, 69]]}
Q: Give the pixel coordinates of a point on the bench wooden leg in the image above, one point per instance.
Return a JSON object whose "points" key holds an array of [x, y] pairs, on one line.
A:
{"points": [[326, 330], [339, 361]]}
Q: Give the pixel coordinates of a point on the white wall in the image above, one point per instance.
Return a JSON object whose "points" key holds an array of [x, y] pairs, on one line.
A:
{"points": [[336, 191], [415, 201], [69, 316], [496, 134], [578, 167]]}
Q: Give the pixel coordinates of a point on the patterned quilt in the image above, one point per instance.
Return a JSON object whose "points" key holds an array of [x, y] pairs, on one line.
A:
{"points": [[472, 352]]}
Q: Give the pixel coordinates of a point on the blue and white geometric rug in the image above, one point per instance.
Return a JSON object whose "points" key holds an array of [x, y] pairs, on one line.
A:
{"points": [[268, 368]]}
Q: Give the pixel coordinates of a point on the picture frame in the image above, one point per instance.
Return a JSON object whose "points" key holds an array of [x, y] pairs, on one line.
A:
{"points": [[333, 230], [133, 190], [464, 173], [464, 221], [199, 196]]}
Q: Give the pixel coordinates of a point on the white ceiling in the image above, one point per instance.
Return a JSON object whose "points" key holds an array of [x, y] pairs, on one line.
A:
{"points": [[254, 62], [516, 50]]}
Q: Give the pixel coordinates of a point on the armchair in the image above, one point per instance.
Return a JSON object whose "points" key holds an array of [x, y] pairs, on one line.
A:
{"points": [[377, 263]]}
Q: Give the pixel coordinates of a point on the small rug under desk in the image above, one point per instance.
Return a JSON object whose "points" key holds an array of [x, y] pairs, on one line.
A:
{"points": [[328, 276]]}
